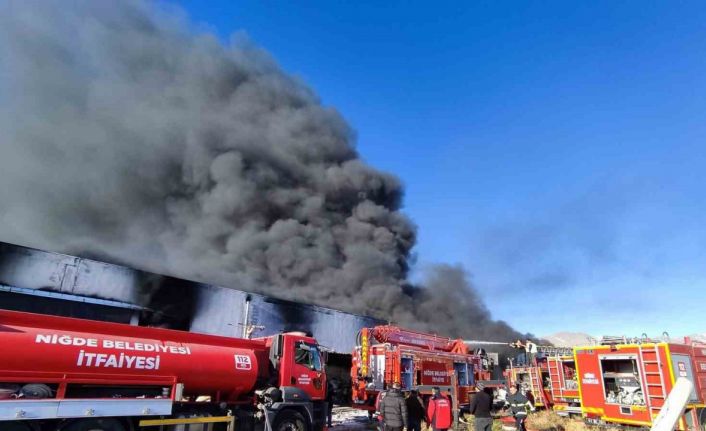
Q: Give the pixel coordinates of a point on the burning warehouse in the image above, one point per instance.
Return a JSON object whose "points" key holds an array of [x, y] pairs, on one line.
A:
{"points": [[43, 282], [172, 152]]}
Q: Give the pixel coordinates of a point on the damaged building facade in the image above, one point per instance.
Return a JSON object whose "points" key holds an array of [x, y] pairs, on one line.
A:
{"points": [[52, 283]]}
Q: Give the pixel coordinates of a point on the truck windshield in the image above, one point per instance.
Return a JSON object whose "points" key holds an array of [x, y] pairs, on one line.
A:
{"points": [[308, 355]]}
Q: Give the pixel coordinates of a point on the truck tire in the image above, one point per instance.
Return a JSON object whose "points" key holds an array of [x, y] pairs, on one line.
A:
{"points": [[95, 424], [290, 420]]}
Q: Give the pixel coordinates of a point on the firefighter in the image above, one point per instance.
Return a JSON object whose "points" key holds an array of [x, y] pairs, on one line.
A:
{"points": [[373, 402], [393, 409], [330, 394], [519, 405], [415, 411], [481, 406], [439, 414], [521, 355]]}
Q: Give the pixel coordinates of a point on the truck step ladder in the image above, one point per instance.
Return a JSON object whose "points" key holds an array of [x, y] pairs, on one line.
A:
{"points": [[538, 387], [557, 386], [654, 391]]}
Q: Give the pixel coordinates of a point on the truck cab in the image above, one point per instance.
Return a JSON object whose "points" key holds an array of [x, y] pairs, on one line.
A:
{"points": [[299, 400]]}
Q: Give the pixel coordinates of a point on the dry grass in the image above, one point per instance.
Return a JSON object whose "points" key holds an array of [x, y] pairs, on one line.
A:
{"points": [[470, 424], [538, 421], [549, 421]]}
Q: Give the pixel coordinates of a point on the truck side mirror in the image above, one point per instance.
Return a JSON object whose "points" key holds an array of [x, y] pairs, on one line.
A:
{"points": [[276, 349]]}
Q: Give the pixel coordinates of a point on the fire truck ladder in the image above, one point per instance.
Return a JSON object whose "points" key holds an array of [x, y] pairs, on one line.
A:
{"points": [[555, 351], [555, 376], [538, 386], [652, 370]]}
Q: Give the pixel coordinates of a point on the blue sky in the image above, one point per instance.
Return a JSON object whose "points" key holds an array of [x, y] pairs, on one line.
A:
{"points": [[556, 150]]}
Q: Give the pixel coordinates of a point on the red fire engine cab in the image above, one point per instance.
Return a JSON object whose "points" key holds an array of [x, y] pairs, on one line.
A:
{"points": [[627, 381], [76, 375], [418, 361], [550, 380]]}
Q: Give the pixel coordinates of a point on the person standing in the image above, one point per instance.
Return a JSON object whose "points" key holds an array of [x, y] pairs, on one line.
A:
{"points": [[393, 409], [521, 355], [330, 394], [481, 406], [378, 416], [530, 352], [439, 411], [415, 411], [519, 404]]}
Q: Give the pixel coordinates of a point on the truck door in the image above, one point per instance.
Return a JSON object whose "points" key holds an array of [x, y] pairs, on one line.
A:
{"points": [[304, 368]]}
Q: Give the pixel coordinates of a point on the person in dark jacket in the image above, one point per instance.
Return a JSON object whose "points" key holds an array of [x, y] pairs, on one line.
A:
{"points": [[519, 404], [481, 406], [439, 411], [330, 394], [378, 400], [415, 411], [393, 409]]}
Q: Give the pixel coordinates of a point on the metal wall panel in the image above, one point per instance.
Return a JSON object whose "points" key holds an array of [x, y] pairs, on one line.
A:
{"points": [[173, 302]]}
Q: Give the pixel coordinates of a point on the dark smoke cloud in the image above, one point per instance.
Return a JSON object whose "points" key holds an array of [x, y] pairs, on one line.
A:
{"points": [[450, 304], [127, 134]]}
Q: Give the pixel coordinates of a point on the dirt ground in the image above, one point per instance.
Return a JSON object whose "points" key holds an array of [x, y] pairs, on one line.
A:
{"points": [[349, 419]]}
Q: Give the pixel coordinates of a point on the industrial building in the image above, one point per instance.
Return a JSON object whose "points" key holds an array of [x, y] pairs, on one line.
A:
{"points": [[52, 283]]}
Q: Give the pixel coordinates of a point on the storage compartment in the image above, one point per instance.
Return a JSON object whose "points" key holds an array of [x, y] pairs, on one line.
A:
{"points": [[461, 369], [569, 370], [407, 373], [524, 383], [621, 380]]}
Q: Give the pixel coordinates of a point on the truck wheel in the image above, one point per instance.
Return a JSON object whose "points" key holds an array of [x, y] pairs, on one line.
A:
{"points": [[97, 424], [290, 420]]}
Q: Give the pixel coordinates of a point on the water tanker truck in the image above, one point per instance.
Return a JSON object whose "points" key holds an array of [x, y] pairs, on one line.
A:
{"points": [[68, 374]]}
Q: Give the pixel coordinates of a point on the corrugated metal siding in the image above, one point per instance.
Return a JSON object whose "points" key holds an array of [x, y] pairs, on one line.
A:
{"points": [[179, 303]]}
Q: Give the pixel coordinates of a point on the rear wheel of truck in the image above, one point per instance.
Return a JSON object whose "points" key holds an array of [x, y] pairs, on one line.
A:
{"points": [[96, 424], [290, 420]]}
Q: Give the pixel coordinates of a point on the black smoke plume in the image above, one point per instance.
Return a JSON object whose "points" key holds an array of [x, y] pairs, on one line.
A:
{"points": [[126, 133]]}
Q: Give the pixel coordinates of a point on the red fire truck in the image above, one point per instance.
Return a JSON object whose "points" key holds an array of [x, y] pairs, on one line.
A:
{"points": [[68, 374], [532, 381], [564, 385], [627, 382], [550, 381], [387, 354]]}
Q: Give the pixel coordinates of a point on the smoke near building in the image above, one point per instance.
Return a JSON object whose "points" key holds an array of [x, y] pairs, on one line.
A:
{"points": [[131, 137]]}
